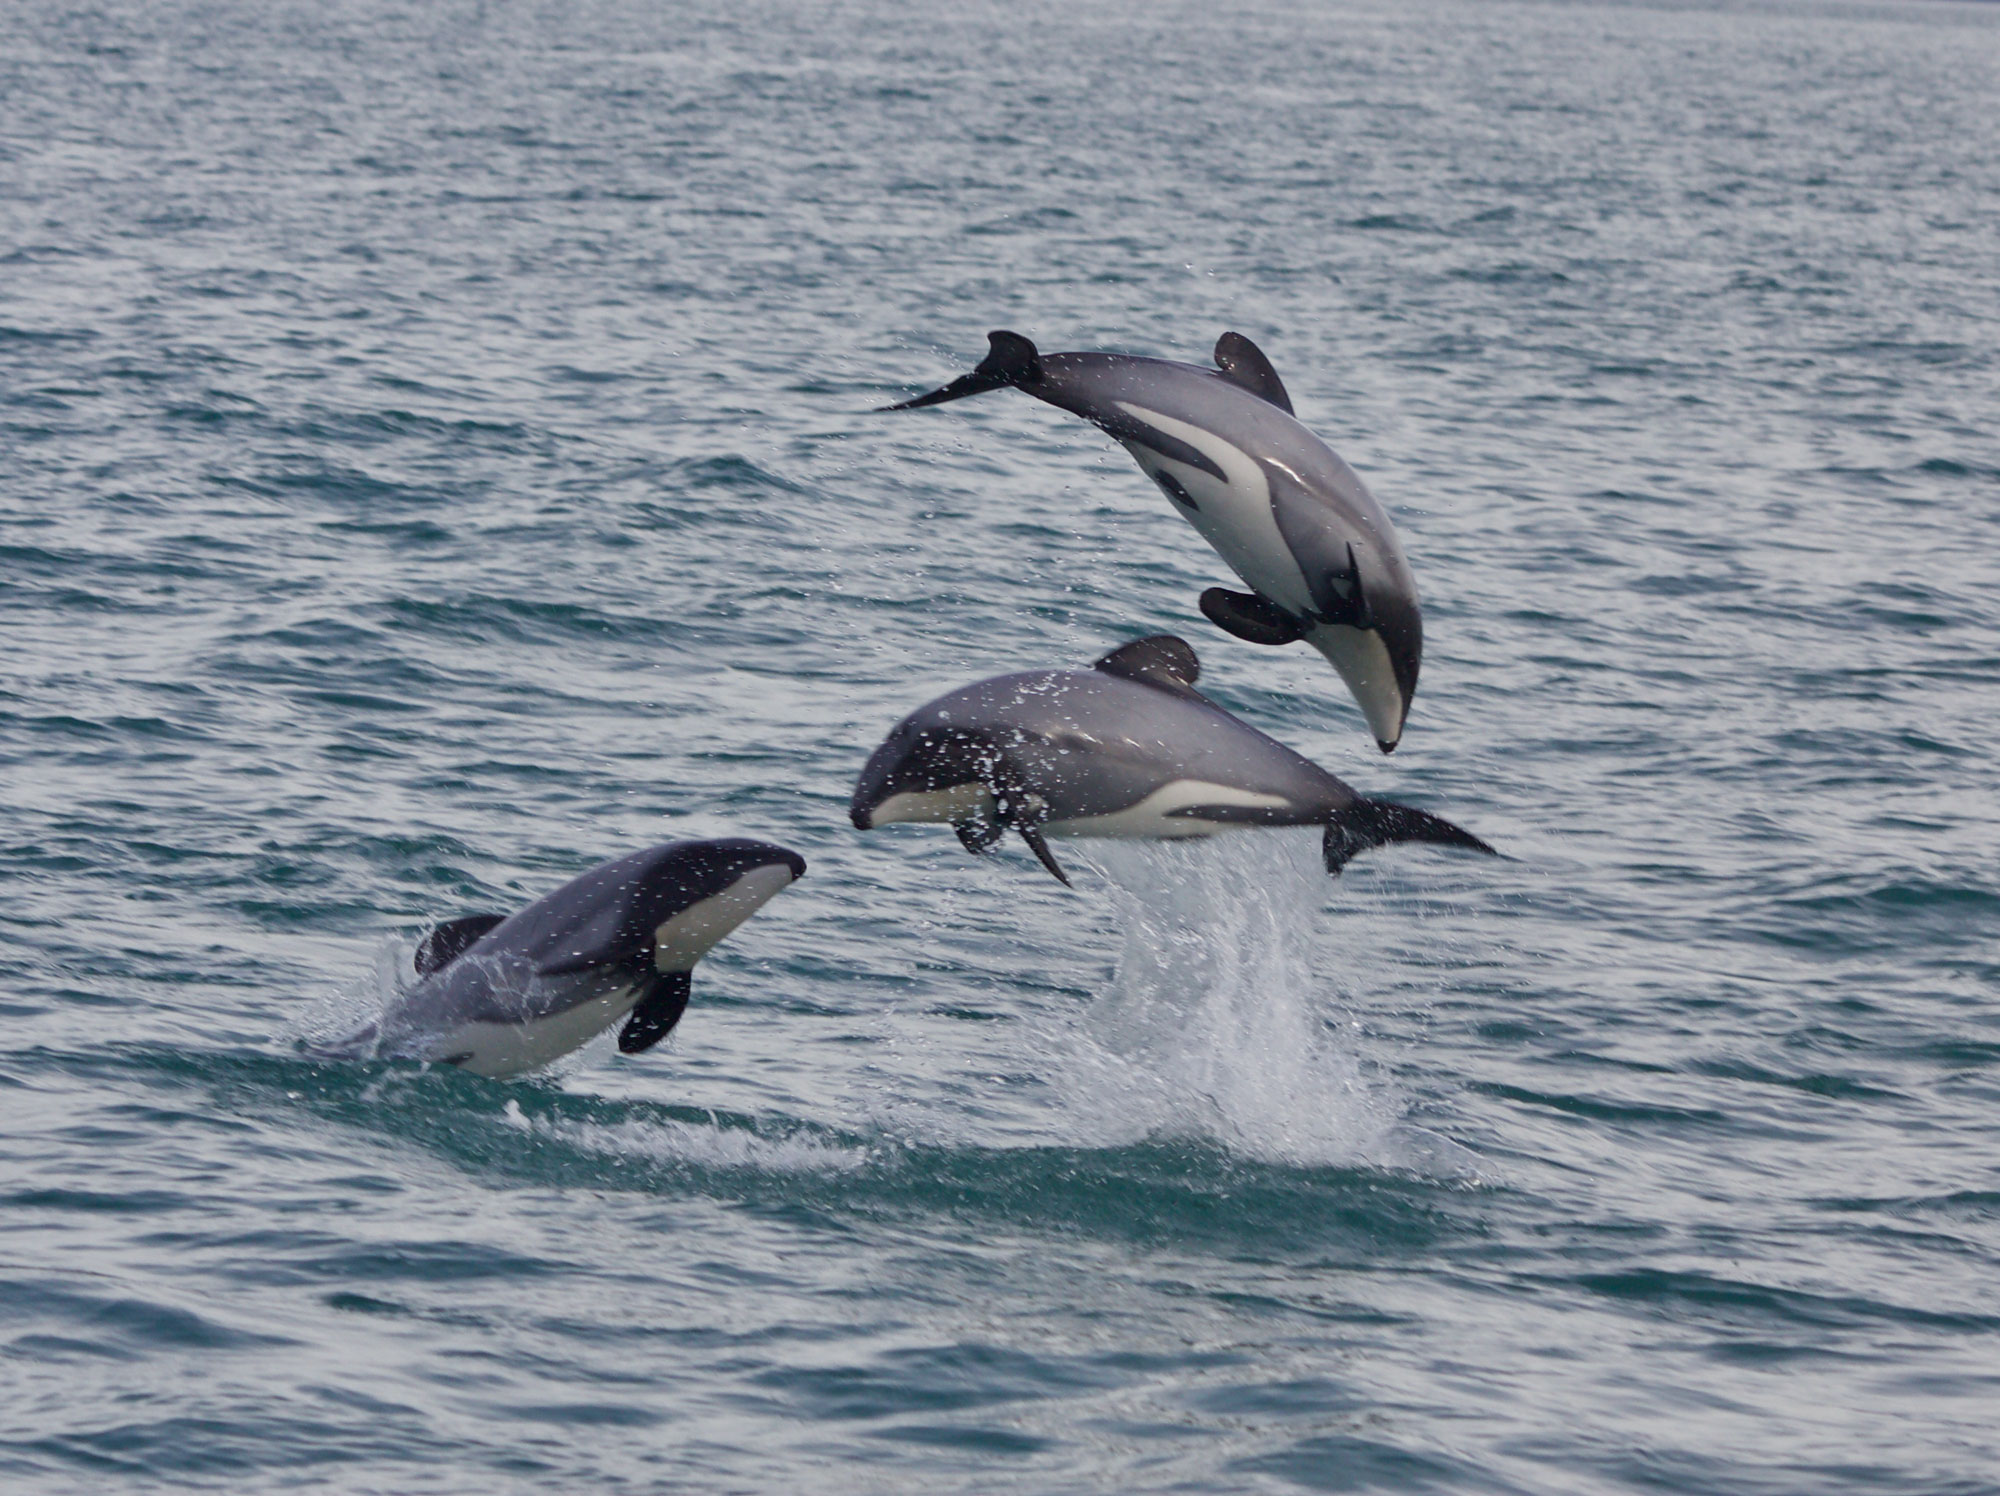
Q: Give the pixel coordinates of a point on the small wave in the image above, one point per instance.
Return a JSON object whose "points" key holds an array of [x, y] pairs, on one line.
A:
{"points": [[1401, 222], [664, 1141]]}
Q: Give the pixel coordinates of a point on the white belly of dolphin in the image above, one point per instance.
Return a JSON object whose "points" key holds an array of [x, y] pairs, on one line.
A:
{"points": [[955, 803], [1150, 819], [1233, 513], [498, 1050]]}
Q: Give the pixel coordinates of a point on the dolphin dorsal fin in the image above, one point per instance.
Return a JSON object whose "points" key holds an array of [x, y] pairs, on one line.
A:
{"points": [[1163, 660], [451, 940], [1010, 357], [1242, 362]]}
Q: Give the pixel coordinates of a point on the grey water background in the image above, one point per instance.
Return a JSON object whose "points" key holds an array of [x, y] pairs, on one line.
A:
{"points": [[435, 457]]}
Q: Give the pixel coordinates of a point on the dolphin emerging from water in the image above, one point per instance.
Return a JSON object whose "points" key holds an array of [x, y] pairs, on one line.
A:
{"points": [[1321, 559], [501, 994], [1127, 748]]}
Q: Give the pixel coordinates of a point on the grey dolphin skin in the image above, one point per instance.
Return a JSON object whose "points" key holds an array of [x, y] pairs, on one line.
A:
{"points": [[500, 994], [1292, 520], [1127, 748]]}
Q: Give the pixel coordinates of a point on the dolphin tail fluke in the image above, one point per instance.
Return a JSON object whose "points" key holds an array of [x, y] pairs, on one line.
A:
{"points": [[1010, 360], [1038, 844], [1251, 617], [1377, 823]]}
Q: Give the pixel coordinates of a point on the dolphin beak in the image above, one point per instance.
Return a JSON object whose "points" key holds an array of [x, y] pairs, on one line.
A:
{"points": [[1389, 733], [1380, 668], [1405, 649], [797, 864]]}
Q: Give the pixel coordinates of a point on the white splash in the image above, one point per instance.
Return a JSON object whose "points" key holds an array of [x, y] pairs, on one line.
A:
{"points": [[373, 1017], [321, 1025], [1219, 1020]]}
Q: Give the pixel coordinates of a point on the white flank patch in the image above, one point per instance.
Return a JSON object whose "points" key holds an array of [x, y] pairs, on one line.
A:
{"points": [[1234, 513], [1150, 818], [1363, 662], [697, 929], [953, 804], [498, 1050]]}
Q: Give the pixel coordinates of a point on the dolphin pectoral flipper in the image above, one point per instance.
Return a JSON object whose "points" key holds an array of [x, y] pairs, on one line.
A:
{"points": [[1038, 844], [655, 1014], [1242, 362], [1376, 823], [450, 940], [1251, 617], [977, 834]]}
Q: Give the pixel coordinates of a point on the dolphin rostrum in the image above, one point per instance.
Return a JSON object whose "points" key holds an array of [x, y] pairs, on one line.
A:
{"points": [[500, 994], [1320, 556], [1127, 748]]}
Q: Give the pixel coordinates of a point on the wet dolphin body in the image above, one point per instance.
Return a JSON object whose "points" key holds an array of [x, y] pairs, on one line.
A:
{"points": [[500, 994], [1127, 748], [1321, 559]]}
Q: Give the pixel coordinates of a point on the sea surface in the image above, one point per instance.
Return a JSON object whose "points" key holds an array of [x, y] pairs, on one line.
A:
{"points": [[436, 456]]}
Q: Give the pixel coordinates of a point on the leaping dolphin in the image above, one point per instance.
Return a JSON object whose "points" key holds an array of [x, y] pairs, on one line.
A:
{"points": [[1318, 553], [1127, 748], [501, 994]]}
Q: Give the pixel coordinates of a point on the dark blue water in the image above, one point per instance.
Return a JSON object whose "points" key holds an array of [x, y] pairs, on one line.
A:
{"points": [[433, 458]]}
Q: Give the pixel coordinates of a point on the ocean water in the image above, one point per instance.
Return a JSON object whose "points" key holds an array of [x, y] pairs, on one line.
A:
{"points": [[435, 456]]}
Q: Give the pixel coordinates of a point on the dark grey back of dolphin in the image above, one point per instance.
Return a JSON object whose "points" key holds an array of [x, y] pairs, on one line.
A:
{"points": [[607, 916], [1053, 746], [599, 927], [1348, 555], [592, 936]]}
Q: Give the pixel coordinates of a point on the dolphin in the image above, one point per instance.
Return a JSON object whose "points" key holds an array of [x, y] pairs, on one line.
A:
{"points": [[500, 994], [1127, 748], [1318, 553]]}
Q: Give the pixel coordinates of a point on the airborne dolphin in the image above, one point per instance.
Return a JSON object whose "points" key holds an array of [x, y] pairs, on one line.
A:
{"points": [[1127, 748], [1321, 559], [501, 994]]}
